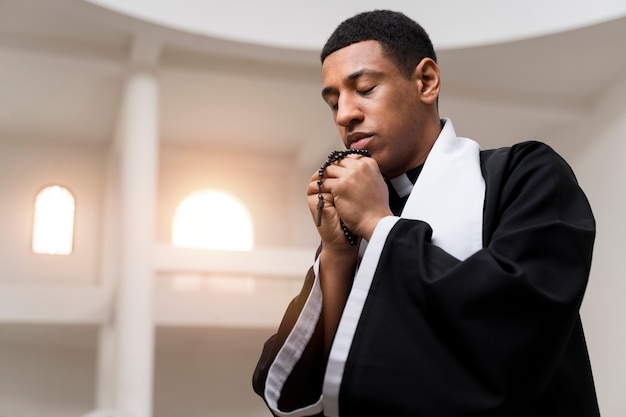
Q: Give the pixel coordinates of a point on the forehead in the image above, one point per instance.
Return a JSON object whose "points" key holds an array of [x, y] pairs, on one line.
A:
{"points": [[344, 62]]}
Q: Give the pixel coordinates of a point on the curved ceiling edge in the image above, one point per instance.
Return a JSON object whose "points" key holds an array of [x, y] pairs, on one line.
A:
{"points": [[305, 26]]}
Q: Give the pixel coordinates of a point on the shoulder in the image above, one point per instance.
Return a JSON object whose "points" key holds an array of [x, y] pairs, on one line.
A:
{"points": [[533, 179], [524, 157], [519, 152]]}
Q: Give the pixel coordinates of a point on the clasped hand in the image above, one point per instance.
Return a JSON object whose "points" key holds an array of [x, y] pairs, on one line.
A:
{"points": [[355, 192]]}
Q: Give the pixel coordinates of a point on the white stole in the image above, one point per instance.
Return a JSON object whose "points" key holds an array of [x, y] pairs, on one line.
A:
{"points": [[449, 194]]}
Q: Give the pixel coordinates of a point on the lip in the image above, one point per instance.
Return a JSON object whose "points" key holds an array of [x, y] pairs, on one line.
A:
{"points": [[358, 140]]}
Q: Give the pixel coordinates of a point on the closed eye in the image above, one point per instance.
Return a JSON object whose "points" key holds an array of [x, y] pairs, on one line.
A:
{"points": [[366, 91]]}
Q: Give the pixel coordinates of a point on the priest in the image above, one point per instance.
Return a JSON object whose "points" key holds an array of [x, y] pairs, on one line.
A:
{"points": [[449, 278]]}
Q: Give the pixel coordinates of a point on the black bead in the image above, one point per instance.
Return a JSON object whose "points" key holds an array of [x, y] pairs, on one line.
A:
{"points": [[335, 156]]}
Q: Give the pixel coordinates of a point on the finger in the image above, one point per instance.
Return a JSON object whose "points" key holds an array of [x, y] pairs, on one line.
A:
{"points": [[334, 171], [314, 187], [328, 199], [320, 205], [345, 165], [315, 177]]}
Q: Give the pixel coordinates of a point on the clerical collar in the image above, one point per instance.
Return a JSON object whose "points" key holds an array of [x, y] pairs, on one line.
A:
{"points": [[400, 187], [403, 184]]}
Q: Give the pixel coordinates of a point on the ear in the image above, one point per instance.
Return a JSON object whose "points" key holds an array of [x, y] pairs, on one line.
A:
{"points": [[427, 76]]}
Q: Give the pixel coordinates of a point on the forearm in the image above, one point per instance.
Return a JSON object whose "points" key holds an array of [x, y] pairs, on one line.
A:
{"points": [[336, 271]]}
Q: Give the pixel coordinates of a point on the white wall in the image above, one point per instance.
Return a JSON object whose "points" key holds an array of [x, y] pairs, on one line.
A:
{"points": [[596, 149], [210, 376], [50, 381], [199, 372], [261, 182], [26, 168]]}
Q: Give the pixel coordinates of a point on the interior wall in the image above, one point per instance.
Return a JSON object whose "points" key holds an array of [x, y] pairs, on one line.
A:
{"points": [[25, 169], [595, 148], [39, 381], [211, 375], [261, 182], [199, 372]]}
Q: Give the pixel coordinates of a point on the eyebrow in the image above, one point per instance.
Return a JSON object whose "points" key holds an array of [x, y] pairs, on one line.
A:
{"points": [[355, 75]]}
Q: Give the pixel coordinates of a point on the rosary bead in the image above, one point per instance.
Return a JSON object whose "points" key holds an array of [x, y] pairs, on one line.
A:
{"points": [[335, 156]]}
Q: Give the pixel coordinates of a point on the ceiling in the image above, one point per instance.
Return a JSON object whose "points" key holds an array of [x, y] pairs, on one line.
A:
{"points": [[305, 25], [63, 64]]}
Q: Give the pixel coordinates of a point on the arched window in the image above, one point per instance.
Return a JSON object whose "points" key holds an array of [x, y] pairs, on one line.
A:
{"points": [[53, 225], [210, 219]]}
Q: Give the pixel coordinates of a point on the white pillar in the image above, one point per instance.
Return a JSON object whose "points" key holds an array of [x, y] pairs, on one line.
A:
{"points": [[138, 158]]}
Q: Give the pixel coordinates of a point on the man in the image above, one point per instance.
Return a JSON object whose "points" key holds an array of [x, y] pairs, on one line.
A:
{"points": [[463, 296]]}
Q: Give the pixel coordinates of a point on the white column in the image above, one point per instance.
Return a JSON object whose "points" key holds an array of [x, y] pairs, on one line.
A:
{"points": [[138, 158]]}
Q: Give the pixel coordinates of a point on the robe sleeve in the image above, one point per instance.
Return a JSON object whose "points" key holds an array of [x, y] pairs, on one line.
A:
{"points": [[303, 371], [495, 334]]}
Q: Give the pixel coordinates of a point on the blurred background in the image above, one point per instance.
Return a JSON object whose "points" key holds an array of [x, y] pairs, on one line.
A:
{"points": [[153, 164]]}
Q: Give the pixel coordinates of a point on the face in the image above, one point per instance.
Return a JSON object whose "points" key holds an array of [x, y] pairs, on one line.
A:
{"points": [[376, 108]]}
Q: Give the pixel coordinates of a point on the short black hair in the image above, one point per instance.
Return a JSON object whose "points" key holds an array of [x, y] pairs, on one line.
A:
{"points": [[403, 40]]}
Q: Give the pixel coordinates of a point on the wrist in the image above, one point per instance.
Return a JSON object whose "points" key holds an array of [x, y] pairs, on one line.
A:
{"points": [[337, 266], [338, 254], [370, 225]]}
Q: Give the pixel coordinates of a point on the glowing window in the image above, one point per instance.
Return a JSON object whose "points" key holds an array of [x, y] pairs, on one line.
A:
{"points": [[212, 220], [53, 226]]}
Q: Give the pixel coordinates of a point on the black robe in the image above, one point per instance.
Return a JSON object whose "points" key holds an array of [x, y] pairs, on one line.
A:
{"points": [[497, 334]]}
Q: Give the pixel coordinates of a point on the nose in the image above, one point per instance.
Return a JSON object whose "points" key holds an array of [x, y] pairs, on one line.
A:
{"points": [[348, 112]]}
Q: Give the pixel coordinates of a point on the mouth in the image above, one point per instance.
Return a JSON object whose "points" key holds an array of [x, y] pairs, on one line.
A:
{"points": [[359, 140]]}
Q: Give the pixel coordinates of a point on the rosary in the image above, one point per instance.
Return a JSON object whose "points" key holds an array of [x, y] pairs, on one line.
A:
{"points": [[335, 156]]}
